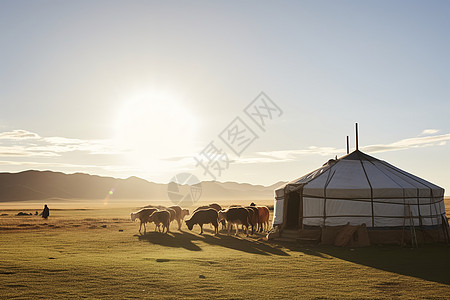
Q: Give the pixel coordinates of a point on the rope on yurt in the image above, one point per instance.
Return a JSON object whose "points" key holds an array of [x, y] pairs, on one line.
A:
{"points": [[412, 177], [431, 207], [390, 176], [404, 219], [330, 176], [371, 192], [408, 215], [412, 228], [402, 243], [420, 215], [445, 228], [285, 201]]}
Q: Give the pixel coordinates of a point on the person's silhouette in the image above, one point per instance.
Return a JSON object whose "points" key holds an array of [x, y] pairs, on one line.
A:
{"points": [[46, 212]]}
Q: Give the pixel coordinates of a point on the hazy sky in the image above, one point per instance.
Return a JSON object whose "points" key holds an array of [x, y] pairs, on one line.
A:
{"points": [[140, 88]]}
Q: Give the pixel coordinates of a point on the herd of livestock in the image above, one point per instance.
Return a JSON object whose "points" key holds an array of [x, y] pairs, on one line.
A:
{"points": [[254, 217]]}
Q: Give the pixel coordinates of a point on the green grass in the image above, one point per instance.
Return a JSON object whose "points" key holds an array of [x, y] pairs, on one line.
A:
{"points": [[82, 254]]}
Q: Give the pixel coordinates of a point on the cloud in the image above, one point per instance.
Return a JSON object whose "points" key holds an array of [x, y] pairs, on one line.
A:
{"points": [[20, 144], [18, 134], [429, 131], [29, 144], [21, 149], [46, 164], [417, 142], [292, 155], [178, 158], [289, 155], [17, 151], [259, 160]]}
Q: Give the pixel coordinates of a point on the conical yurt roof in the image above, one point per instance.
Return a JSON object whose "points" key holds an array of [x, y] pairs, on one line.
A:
{"points": [[361, 176]]}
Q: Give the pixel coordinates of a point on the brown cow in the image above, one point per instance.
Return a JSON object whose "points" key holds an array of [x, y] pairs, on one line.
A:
{"points": [[184, 213], [143, 215], [173, 213], [202, 207], [218, 208], [161, 217], [215, 206], [253, 217], [179, 214], [204, 216], [235, 215], [263, 218]]}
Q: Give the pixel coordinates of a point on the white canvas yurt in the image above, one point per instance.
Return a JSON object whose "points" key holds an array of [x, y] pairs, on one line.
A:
{"points": [[359, 190]]}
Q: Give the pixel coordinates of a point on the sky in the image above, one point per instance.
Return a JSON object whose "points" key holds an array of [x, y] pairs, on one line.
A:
{"points": [[244, 91]]}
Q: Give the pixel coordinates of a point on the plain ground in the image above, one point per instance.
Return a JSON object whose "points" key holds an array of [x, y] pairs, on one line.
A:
{"points": [[98, 253]]}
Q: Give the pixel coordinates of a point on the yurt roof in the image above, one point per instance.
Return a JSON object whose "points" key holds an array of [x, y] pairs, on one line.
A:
{"points": [[358, 175]]}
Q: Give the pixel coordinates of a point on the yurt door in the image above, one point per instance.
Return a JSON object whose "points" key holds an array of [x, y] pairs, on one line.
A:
{"points": [[294, 211]]}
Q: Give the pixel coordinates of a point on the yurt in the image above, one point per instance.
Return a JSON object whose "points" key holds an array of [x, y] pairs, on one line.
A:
{"points": [[360, 200]]}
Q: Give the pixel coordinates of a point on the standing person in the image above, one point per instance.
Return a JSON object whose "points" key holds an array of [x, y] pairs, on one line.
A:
{"points": [[46, 212]]}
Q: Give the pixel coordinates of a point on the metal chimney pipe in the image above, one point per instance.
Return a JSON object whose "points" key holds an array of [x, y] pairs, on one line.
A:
{"points": [[356, 127], [348, 146]]}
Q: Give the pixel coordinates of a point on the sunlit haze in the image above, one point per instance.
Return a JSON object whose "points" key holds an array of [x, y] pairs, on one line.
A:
{"points": [[141, 88]]}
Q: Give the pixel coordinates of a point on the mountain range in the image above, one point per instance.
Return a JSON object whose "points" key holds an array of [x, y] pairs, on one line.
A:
{"points": [[41, 185]]}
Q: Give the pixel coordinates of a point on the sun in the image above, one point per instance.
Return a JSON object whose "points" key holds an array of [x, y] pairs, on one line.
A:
{"points": [[154, 126]]}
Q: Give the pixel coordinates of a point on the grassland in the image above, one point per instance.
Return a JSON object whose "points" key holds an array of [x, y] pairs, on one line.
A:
{"points": [[98, 253]]}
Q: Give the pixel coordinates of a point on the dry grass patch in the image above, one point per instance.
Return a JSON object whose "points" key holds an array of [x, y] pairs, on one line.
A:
{"points": [[78, 257]]}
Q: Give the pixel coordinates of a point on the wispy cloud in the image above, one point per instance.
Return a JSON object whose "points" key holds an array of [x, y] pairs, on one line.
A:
{"points": [[29, 144], [429, 131], [417, 142], [47, 164], [18, 134], [292, 155], [178, 158], [23, 151], [288, 155]]}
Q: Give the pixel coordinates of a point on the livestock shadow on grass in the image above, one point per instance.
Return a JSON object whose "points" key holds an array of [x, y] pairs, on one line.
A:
{"points": [[308, 249], [242, 244], [186, 240], [429, 262], [172, 239]]}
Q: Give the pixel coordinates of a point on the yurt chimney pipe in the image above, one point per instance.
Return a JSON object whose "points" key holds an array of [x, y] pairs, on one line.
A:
{"points": [[356, 127], [348, 146]]}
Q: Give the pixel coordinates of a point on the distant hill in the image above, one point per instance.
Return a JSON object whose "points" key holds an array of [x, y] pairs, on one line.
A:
{"points": [[41, 185]]}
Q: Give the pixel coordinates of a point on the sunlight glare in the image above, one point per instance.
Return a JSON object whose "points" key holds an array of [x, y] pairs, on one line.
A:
{"points": [[155, 125]]}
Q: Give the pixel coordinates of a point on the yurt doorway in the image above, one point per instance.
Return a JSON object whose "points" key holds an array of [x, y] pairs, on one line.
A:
{"points": [[294, 210]]}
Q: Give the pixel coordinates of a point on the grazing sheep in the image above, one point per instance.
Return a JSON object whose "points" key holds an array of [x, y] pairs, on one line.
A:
{"points": [[218, 208], [235, 215], [179, 214], [204, 216], [143, 215], [184, 213], [201, 207], [161, 217], [173, 213], [215, 206]]}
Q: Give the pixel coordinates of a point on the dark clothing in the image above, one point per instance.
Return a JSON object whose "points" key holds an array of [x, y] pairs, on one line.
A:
{"points": [[46, 212]]}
